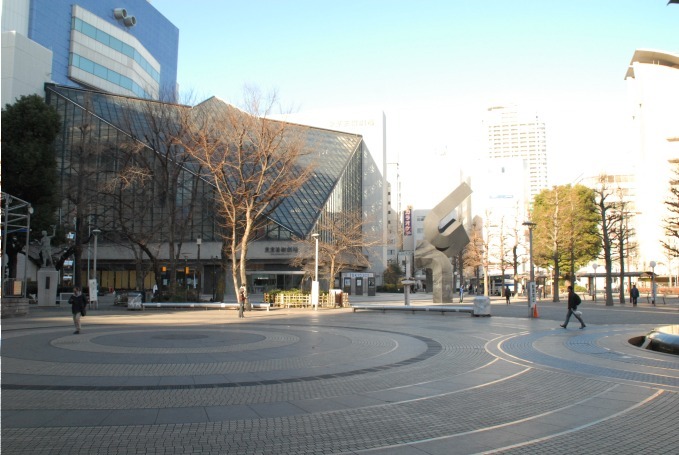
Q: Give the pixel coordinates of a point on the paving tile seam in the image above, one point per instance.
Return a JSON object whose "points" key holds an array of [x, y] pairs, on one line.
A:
{"points": [[206, 399], [533, 418], [218, 366], [432, 348], [521, 349], [594, 437], [374, 427]]}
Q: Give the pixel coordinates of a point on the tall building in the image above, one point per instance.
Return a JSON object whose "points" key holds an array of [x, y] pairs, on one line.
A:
{"points": [[652, 79], [126, 48], [512, 133]]}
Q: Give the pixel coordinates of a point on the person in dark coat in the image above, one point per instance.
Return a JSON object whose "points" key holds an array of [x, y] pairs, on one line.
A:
{"points": [[634, 294], [573, 302], [78, 305], [508, 294]]}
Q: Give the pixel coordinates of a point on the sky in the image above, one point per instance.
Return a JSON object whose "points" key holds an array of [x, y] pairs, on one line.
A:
{"points": [[433, 67]]}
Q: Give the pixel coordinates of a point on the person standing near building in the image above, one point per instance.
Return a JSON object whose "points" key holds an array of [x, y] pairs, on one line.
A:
{"points": [[241, 301], [78, 305], [573, 302], [634, 294], [508, 294]]}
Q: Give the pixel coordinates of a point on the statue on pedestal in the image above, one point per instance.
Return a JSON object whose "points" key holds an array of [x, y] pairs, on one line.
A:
{"points": [[46, 247]]}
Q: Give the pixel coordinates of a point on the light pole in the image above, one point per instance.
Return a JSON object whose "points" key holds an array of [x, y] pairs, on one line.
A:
{"points": [[652, 264], [595, 266], [96, 233], [531, 284], [200, 275], [314, 284]]}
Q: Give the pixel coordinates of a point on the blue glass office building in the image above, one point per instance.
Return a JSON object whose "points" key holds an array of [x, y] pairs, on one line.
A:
{"points": [[124, 47]]}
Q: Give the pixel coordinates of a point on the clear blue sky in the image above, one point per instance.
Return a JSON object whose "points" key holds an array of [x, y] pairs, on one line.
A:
{"points": [[432, 66]]}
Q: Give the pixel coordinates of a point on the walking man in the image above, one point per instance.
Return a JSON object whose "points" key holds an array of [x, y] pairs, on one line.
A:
{"points": [[78, 305], [573, 302], [634, 294], [508, 294]]}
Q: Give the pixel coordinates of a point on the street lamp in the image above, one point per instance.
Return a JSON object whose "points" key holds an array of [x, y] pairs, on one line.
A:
{"points": [[200, 275], [96, 233], [531, 284], [595, 266], [314, 284], [652, 264]]}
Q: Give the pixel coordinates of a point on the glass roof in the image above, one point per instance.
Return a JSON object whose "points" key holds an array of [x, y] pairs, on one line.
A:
{"points": [[330, 151]]}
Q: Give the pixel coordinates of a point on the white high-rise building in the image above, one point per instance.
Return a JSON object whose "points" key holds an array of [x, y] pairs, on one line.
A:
{"points": [[512, 133], [653, 87]]}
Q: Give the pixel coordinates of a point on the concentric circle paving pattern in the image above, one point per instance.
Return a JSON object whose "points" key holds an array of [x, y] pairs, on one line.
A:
{"points": [[333, 382]]}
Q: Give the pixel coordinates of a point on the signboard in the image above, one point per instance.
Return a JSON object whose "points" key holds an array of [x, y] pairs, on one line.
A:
{"points": [[532, 294], [407, 222], [93, 290]]}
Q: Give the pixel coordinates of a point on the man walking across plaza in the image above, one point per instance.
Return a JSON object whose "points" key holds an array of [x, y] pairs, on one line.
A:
{"points": [[634, 294], [573, 302], [78, 305]]}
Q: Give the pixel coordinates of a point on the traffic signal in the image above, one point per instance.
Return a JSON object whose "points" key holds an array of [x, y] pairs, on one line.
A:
{"points": [[163, 269]]}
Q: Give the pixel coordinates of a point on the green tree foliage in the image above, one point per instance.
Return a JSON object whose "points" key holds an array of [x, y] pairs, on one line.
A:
{"points": [[29, 167], [566, 232], [393, 274]]}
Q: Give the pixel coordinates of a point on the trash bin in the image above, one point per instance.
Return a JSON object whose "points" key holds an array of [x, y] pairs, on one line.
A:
{"points": [[134, 301], [481, 306], [337, 296]]}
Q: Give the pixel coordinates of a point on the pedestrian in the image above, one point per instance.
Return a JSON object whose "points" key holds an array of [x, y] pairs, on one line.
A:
{"points": [[508, 294], [573, 302], [461, 293], [634, 294], [241, 301], [78, 307]]}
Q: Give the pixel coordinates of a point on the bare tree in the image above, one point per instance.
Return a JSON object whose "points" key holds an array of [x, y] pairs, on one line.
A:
{"points": [[155, 188], [609, 218], [671, 223], [341, 246], [474, 257], [252, 162]]}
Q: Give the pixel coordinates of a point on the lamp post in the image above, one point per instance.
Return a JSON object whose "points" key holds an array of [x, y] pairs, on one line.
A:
{"points": [[314, 284], [652, 264], [96, 233], [214, 279], [200, 275], [595, 266], [531, 284]]}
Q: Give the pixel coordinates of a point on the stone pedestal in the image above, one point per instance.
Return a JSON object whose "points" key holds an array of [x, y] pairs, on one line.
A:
{"points": [[14, 306], [48, 281]]}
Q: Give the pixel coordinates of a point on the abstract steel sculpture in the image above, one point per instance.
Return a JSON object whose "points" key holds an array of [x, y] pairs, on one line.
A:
{"points": [[444, 238]]}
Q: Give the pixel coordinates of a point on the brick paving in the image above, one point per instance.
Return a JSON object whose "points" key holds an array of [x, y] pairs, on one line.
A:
{"points": [[336, 382]]}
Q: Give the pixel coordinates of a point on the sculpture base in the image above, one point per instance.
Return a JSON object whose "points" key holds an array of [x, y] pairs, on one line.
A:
{"points": [[48, 281]]}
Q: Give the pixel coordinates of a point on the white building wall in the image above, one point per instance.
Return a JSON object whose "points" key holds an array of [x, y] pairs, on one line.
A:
{"points": [[653, 88], [26, 66]]}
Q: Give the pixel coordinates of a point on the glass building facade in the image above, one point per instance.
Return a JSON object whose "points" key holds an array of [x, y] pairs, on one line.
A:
{"points": [[117, 162]]}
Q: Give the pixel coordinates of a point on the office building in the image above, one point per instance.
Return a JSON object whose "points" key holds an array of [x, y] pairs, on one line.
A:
{"points": [[652, 79], [126, 48]]}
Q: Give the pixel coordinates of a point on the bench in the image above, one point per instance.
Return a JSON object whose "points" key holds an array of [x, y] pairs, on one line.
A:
{"points": [[436, 308], [205, 305]]}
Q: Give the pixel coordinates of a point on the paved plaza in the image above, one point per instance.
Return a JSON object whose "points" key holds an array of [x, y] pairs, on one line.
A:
{"points": [[333, 381]]}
